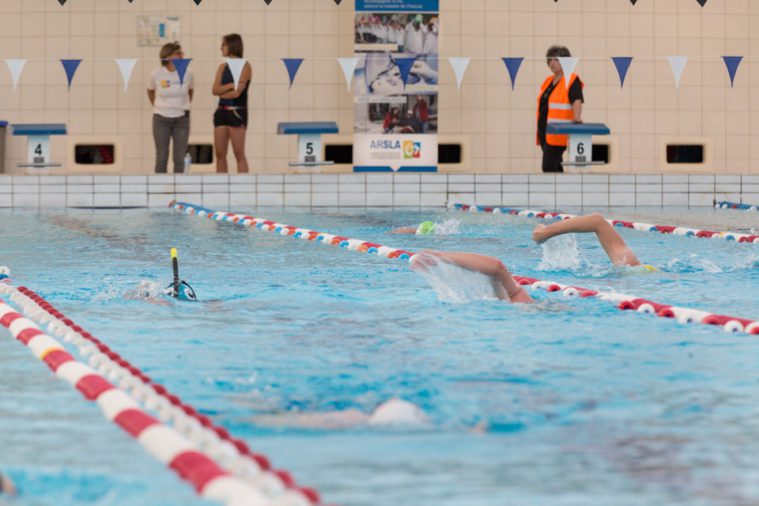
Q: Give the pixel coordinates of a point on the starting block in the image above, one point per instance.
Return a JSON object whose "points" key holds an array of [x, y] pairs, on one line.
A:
{"points": [[38, 150], [309, 140], [580, 142]]}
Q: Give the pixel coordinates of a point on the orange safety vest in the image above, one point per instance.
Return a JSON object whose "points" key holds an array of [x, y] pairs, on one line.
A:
{"points": [[559, 108]]}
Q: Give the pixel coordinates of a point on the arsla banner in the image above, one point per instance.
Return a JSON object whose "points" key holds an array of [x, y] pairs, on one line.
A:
{"points": [[396, 85]]}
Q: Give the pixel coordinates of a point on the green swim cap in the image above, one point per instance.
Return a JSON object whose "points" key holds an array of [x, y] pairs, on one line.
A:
{"points": [[426, 228]]}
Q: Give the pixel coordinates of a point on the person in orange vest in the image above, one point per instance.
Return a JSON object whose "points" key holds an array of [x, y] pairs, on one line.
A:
{"points": [[557, 104]]}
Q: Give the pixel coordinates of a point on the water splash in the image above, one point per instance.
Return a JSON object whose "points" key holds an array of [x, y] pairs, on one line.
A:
{"points": [[454, 284], [110, 293], [146, 289], [448, 227], [560, 253], [692, 264]]}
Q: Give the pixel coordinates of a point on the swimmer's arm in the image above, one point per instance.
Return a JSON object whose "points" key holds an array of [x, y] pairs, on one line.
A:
{"points": [[579, 224], [404, 230], [334, 420], [616, 248], [490, 267]]}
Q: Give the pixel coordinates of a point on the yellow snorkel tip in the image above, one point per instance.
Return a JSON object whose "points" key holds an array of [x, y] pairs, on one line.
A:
{"points": [[173, 253]]}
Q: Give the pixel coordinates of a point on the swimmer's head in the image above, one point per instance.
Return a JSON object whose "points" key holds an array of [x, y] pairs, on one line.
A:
{"points": [[649, 268], [398, 412], [426, 228]]}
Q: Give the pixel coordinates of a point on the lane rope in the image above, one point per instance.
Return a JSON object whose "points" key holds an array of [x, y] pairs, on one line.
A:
{"points": [[623, 302], [643, 227], [736, 205], [164, 443], [251, 470]]}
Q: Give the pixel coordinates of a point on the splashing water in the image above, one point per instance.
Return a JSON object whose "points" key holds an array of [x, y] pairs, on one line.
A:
{"points": [[146, 289], [693, 264], [110, 293], [448, 227], [454, 284], [560, 253]]}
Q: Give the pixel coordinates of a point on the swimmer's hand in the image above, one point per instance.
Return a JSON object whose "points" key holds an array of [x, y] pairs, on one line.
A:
{"points": [[539, 235], [7, 487], [521, 297], [425, 260]]}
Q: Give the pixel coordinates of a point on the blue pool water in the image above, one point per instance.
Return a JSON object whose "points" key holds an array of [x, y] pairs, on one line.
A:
{"points": [[567, 402]]}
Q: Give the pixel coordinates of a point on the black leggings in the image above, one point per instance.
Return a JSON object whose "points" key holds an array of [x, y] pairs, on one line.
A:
{"points": [[552, 157]]}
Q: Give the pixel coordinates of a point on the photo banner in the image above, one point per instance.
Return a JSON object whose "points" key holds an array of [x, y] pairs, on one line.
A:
{"points": [[396, 86]]}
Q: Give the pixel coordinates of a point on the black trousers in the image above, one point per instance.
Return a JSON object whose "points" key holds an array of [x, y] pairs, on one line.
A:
{"points": [[552, 157]]}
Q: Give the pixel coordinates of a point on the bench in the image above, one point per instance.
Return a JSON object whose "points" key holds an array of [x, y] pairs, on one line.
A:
{"points": [[38, 151], [309, 140], [580, 141]]}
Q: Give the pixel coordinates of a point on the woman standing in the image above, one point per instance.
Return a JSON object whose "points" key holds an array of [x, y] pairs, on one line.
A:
{"points": [[171, 100], [557, 104], [231, 118]]}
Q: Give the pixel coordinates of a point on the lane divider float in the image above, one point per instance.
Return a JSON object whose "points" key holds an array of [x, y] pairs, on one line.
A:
{"points": [[643, 227], [293, 231], [623, 302], [249, 471], [164, 443], [735, 205]]}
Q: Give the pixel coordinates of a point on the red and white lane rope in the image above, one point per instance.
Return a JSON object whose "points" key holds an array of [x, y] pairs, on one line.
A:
{"points": [[296, 232], [630, 302], [624, 302], [164, 443], [248, 471], [644, 227]]}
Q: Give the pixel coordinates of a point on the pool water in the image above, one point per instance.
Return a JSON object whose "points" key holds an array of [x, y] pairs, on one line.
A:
{"points": [[567, 402]]}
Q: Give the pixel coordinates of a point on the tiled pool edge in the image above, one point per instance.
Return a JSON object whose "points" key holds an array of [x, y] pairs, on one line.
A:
{"points": [[376, 190]]}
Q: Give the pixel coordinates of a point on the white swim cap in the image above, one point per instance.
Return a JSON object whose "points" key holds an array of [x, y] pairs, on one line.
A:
{"points": [[398, 412]]}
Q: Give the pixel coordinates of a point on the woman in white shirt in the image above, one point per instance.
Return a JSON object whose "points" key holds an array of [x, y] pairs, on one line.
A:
{"points": [[171, 109]]}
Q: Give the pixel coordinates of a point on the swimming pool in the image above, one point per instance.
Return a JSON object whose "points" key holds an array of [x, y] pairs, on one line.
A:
{"points": [[569, 402]]}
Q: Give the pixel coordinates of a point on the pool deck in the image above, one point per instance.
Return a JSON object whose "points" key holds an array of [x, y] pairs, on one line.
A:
{"points": [[376, 190]]}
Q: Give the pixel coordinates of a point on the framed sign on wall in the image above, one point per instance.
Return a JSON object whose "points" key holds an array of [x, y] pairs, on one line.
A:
{"points": [[157, 30]]}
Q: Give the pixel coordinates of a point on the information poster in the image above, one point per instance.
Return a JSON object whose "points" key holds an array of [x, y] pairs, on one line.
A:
{"points": [[157, 30], [396, 86]]}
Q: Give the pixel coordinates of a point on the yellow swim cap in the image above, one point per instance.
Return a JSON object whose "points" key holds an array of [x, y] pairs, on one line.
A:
{"points": [[426, 228], [649, 268]]}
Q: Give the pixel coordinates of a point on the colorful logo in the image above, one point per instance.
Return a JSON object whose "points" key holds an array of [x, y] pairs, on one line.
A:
{"points": [[412, 150], [165, 84]]}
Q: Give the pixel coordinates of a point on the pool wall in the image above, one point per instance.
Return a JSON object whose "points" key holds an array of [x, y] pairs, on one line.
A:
{"points": [[377, 190], [494, 123]]}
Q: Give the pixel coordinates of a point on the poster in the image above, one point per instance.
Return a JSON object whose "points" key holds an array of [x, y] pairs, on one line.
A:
{"points": [[395, 125], [157, 30]]}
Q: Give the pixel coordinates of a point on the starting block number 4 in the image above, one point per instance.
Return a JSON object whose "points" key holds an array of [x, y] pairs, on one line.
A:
{"points": [[39, 149]]}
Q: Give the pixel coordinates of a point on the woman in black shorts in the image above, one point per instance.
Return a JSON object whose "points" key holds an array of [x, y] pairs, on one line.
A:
{"points": [[231, 118]]}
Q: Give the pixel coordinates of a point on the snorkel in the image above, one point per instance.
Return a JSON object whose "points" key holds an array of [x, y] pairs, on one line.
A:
{"points": [[179, 289]]}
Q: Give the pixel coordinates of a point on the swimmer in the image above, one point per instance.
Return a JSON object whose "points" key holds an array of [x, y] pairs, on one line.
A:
{"points": [[392, 413], [504, 284], [425, 228], [150, 292], [618, 251], [7, 487]]}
